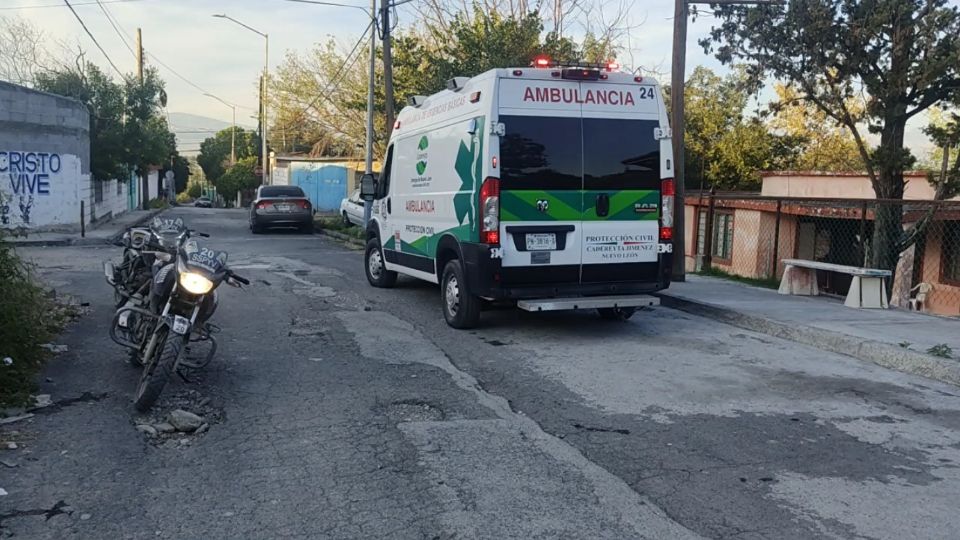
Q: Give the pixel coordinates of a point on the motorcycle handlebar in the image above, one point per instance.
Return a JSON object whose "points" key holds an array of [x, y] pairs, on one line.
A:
{"points": [[239, 279]]}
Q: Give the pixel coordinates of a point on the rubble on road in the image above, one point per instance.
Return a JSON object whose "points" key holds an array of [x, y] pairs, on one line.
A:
{"points": [[164, 427], [147, 429], [184, 421]]}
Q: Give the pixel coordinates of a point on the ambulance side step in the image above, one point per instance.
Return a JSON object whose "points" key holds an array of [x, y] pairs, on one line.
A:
{"points": [[589, 302]]}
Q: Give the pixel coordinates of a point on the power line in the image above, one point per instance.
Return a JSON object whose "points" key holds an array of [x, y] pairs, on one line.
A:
{"points": [[184, 79], [75, 4], [115, 26], [95, 42]]}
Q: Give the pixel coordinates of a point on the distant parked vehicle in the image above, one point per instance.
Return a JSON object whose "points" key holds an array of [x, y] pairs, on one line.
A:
{"points": [[281, 206], [351, 209], [203, 202]]}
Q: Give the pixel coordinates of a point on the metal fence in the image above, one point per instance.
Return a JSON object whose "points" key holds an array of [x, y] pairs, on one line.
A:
{"points": [[749, 236]]}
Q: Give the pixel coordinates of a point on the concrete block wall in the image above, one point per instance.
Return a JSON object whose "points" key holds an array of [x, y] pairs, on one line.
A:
{"points": [[44, 159]]}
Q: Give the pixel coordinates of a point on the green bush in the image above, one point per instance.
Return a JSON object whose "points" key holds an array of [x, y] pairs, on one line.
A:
{"points": [[194, 190], [158, 203], [337, 224], [28, 319], [184, 198]]}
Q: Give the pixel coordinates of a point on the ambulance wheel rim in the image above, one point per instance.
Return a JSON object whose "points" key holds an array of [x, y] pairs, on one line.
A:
{"points": [[453, 295], [375, 264]]}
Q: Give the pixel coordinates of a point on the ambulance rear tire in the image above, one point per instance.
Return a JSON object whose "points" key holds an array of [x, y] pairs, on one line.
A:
{"points": [[460, 308], [616, 313], [375, 266]]}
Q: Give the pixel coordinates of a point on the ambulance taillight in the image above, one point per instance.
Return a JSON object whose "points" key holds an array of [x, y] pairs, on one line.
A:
{"points": [[490, 211], [667, 197]]}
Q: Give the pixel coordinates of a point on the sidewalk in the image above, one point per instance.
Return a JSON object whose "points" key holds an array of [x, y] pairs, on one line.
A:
{"points": [[101, 233], [893, 338]]}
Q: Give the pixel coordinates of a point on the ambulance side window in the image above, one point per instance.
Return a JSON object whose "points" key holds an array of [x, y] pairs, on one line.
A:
{"points": [[383, 186]]}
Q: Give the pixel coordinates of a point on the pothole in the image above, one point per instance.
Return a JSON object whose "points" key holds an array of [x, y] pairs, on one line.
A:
{"points": [[178, 419], [412, 410], [318, 291], [300, 327]]}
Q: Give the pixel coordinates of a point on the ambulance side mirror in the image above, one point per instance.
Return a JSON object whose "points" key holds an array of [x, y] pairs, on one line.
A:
{"points": [[368, 187]]}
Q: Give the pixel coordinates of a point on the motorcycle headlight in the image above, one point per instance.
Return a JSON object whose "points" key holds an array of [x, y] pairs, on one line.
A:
{"points": [[195, 283]]}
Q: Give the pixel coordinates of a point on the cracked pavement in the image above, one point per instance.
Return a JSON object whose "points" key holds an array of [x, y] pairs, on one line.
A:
{"points": [[351, 412]]}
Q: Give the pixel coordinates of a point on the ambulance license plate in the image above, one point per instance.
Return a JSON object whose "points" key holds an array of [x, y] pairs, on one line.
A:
{"points": [[541, 241]]}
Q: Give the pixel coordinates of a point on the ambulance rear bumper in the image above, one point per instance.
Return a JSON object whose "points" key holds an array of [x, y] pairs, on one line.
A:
{"points": [[486, 278]]}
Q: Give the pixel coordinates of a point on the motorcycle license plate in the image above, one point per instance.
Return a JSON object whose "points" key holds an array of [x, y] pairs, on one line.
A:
{"points": [[180, 325], [541, 242]]}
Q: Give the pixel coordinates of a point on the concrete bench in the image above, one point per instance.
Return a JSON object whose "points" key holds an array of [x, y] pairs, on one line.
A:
{"points": [[867, 290]]}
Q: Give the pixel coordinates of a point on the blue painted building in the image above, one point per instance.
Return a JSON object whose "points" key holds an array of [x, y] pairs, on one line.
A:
{"points": [[326, 181]]}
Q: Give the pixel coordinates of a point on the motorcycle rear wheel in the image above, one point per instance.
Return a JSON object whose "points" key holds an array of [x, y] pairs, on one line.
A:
{"points": [[158, 370]]}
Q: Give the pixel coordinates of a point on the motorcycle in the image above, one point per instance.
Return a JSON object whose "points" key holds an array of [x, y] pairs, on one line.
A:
{"points": [[183, 298], [146, 251]]}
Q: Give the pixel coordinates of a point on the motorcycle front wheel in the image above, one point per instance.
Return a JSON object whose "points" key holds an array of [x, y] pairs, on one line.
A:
{"points": [[158, 369]]}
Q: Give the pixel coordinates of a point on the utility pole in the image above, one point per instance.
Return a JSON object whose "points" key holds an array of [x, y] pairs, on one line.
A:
{"points": [[233, 137], [144, 180], [387, 65], [139, 56], [263, 135], [368, 168], [266, 78], [677, 82], [677, 78]]}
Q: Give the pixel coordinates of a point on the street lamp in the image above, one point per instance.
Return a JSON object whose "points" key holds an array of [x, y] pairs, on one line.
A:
{"points": [[233, 131], [263, 91]]}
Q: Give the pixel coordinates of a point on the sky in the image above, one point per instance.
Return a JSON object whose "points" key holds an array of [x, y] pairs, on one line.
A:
{"points": [[224, 59]]}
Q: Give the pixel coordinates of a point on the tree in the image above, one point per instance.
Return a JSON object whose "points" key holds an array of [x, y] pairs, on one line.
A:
{"points": [[128, 129], [321, 99], [239, 177], [214, 156], [945, 133], [725, 149], [109, 154], [22, 55], [904, 55], [824, 144]]}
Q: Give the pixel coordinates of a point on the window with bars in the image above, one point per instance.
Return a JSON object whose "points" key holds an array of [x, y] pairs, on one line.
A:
{"points": [[722, 241], [722, 235]]}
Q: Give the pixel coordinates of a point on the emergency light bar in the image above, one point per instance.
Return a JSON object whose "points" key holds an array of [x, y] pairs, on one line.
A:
{"points": [[547, 62]]}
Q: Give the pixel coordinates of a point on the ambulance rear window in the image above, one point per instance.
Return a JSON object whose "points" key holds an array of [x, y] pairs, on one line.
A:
{"points": [[541, 152], [620, 154]]}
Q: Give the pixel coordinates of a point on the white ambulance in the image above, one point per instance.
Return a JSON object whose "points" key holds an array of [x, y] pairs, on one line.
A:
{"points": [[548, 186]]}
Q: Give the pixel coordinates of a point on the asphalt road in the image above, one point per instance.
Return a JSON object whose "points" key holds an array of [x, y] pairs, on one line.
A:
{"points": [[342, 411]]}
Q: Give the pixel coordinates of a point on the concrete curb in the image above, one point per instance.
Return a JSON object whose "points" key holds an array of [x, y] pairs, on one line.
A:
{"points": [[86, 241], [882, 354], [336, 235]]}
